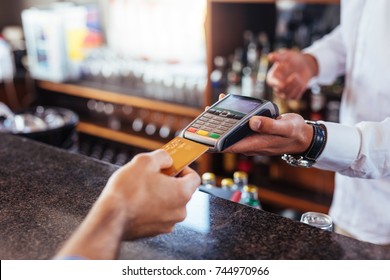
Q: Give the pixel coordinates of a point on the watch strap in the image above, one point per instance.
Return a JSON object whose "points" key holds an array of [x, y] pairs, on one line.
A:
{"points": [[309, 157], [317, 143]]}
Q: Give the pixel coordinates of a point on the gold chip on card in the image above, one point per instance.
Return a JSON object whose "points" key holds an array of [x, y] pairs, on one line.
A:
{"points": [[183, 153]]}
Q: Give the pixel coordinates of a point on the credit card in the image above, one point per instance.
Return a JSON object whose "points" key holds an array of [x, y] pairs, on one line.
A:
{"points": [[183, 153]]}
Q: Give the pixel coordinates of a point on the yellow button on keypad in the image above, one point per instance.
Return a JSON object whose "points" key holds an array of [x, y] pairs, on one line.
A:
{"points": [[202, 132]]}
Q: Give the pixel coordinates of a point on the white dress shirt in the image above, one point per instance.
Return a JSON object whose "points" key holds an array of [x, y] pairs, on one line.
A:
{"points": [[358, 148]]}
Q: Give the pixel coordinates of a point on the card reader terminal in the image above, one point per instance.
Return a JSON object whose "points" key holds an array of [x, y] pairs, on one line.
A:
{"points": [[227, 121]]}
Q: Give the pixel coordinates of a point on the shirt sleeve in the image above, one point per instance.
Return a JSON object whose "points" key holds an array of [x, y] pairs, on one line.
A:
{"points": [[330, 55], [357, 151]]}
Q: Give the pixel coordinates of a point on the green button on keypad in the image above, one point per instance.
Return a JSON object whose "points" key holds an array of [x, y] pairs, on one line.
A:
{"points": [[214, 135]]}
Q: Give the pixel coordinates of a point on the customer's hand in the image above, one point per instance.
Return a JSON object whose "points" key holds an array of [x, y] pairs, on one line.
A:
{"points": [[151, 201], [291, 72], [287, 134], [138, 201]]}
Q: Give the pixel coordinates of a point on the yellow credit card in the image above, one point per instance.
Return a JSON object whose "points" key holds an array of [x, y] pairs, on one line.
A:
{"points": [[183, 152]]}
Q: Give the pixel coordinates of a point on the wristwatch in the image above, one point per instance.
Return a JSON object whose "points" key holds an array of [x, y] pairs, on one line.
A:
{"points": [[309, 157]]}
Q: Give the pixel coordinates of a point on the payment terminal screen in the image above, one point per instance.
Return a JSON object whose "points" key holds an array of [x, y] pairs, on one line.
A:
{"points": [[241, 105]]}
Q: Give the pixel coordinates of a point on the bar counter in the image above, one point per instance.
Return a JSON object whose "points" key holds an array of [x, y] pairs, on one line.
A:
{"points": [[46, 192]]}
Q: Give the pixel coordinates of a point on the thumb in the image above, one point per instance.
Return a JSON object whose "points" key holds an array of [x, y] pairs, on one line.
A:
{"points": [[265, 125], [255, 123], [161, 159], [285, 125]]}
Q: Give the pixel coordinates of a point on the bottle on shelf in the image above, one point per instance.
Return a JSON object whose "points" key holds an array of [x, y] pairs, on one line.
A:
{"points": [[240, 179], [245, 163], [234, 73], [261, 89], [247, 84], [139, 122], [108, 154], [249, 196], [228, 184], [218, 77], [121, 158], [209, 180], [153, 122], [317, 104], [233, 193], [165, 130]]}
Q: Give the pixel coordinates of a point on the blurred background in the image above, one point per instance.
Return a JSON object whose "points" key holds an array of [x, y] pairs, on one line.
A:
{"points": [[136, 72]]}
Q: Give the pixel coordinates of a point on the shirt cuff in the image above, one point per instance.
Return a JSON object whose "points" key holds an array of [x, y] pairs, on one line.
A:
{"points": [[323, 62], [341, 149]]}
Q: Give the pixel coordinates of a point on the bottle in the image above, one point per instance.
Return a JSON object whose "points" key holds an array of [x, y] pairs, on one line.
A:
{"points": [[249, 197], [227, 184], [121, 158], [240, 179], [247, 83], [218, 77], [234, 194], [245, 163], [317, 104], [234, 73], [151, 127], [108, 154], [208, 180], [139, 121], [261, 89], [166, 129], [248, 47]]}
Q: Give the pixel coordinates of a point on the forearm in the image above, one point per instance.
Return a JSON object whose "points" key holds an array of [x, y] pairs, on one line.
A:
{"points": [[99, 235]]}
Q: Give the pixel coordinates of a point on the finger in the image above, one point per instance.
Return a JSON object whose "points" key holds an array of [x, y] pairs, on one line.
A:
{"points": [[279, 127], [278, 55], [161, 159], [294, 86], [250, 144], [190, 178], [276, 76]]}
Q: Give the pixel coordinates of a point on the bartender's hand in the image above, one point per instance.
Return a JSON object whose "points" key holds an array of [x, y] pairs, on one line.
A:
{"points": [[288, 134], [138, 201], [291, 73]]}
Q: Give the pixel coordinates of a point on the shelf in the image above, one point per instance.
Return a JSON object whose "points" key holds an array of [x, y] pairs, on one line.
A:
{"points": [[283, 196], [299, 200], [118, 136], [118, 98]]}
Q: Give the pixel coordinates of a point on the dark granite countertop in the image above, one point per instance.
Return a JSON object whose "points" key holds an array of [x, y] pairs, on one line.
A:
{"points": [[45, 192]]}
